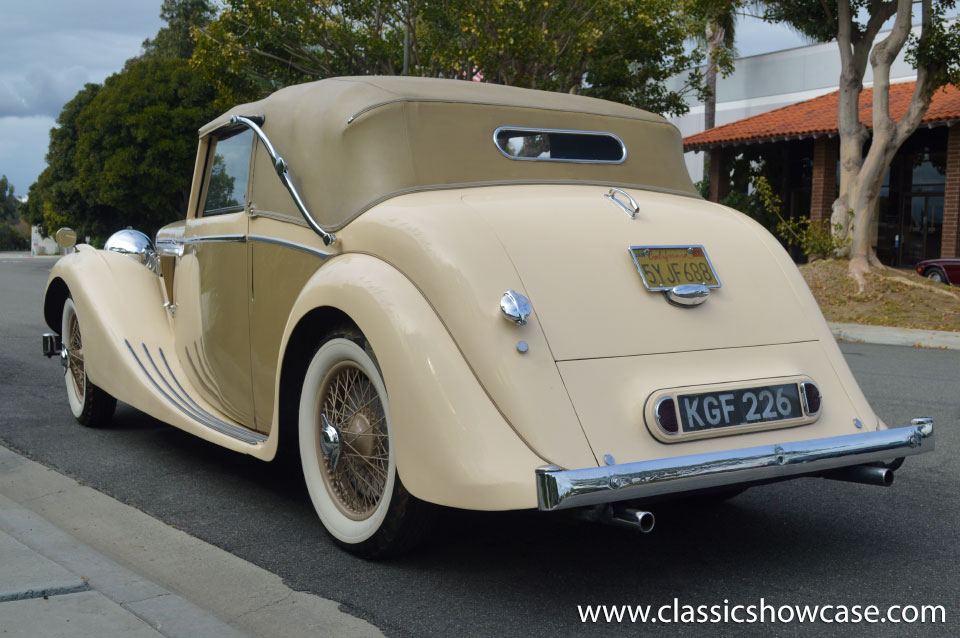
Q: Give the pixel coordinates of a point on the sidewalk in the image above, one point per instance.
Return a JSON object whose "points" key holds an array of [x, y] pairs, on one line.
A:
{"points": [[896, 336], [78, 563]]}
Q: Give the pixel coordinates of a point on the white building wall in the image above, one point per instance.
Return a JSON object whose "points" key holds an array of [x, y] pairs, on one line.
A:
{"points": [[40, 245]]}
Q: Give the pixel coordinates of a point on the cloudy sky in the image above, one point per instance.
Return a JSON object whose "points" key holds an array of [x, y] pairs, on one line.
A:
{"points": [[50, 48]]}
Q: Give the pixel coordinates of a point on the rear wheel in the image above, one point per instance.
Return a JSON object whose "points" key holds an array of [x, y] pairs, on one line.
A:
{"points": [[348, 458], [90, 405], [935, 274]]}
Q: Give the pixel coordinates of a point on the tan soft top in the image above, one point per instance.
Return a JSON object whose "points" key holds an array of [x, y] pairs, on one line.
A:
{"points": [[353, 142]]}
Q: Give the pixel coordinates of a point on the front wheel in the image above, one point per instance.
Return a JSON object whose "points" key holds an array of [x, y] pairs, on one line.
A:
{"points": [[348, 458], [90, 405]]}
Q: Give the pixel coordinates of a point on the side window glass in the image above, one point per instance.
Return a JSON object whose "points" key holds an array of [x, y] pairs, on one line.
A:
{"points": [[228, 162]]}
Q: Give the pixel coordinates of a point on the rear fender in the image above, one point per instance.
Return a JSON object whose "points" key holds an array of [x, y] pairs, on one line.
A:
{"points": [[453, 447]]}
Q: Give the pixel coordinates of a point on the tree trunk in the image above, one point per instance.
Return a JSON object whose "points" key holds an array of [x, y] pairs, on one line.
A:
{"points": [[864, 195], [714, 34], [852, 135], [863, 191]]}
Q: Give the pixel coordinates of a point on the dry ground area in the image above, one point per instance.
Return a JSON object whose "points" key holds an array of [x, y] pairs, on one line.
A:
{"points": [[893, 298]]}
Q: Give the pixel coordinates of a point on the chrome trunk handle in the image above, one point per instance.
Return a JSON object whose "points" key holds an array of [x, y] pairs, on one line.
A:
{"points": [[281, 167], [634, 207]]}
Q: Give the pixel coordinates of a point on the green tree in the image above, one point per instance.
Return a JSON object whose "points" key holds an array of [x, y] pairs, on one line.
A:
{"points": [[137, 142], [714, 27], [55, 197], [856, 24], [622, 50], [8, 203], [10, 237], [124, 152], [255, 47], [176, 40]]}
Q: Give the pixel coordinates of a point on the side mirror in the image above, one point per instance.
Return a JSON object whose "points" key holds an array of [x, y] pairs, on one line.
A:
{"points": [[66, 238]]}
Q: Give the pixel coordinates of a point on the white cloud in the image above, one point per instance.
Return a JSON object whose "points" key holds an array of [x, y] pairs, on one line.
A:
{"points": [[50, 49], [23, 145]]}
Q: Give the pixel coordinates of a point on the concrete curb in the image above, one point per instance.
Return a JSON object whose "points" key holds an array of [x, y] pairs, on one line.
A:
{"points": [[884, 335], [142, 574], [166, 613], [5, 255]]}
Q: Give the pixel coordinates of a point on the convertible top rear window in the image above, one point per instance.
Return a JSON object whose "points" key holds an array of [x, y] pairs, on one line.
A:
{"points": [[557, 145]]}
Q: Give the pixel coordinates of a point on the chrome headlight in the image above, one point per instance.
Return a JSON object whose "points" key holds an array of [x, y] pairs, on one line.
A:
{"points": [[134, 243]]}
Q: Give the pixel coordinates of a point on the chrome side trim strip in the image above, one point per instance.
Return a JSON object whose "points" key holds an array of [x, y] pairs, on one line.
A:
{"points": [[281, 167], [263, 239], [202, 416], [561, 489], [212, 238], [623, 147]]}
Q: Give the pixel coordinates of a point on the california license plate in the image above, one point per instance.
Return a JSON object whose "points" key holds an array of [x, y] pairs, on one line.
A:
{"points": [[744, 406], [663, 267]]}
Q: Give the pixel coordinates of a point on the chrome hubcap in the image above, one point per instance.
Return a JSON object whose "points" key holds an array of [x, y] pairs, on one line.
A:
{"points": [[330, 443]]}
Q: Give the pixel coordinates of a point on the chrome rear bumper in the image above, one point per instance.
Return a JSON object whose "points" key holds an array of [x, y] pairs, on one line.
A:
{"points": [[561, 489]]}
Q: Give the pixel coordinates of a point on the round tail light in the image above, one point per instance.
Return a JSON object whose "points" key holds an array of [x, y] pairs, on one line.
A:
{"points": [[811, 398], [666, 412]]}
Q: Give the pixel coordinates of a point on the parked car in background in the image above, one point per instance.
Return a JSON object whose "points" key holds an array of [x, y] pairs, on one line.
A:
{"points": [[469, 295], [946, 270]]}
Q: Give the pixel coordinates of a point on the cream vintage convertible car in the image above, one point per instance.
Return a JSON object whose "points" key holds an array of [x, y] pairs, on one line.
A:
{"points": [[477, 296]]}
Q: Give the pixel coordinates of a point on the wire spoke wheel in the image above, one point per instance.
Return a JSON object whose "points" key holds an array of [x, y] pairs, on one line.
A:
{"points": [[358, 479], [90, 405], [348, 456], [74, 348]]}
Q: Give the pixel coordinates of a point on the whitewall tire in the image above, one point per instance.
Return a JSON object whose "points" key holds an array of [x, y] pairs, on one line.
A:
{"points": [[347, 453], [89, 404]]}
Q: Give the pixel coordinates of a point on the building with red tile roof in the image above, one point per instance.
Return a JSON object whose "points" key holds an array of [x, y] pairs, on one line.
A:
{"points": [[798, 145], [818, 117]]}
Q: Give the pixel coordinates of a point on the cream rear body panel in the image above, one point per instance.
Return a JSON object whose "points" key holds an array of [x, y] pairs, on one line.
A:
{"points": [[611, 396]]}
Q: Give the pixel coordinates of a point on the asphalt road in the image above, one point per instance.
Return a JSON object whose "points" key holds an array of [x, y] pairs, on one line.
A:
{"points": [[809, 541]]}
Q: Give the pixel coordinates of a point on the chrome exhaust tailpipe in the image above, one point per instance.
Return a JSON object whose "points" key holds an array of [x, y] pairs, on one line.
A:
{"points": [[866, 474], [634, 519]]}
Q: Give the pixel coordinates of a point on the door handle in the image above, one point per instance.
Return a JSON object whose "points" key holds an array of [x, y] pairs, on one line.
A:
{"points": [[170, 248]]}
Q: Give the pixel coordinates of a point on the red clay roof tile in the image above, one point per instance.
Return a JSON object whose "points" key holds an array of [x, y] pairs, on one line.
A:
{"points": [[818, 116]]}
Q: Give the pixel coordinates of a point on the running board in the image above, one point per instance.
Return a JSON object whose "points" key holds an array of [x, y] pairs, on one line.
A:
{"points": [[180, 399]]}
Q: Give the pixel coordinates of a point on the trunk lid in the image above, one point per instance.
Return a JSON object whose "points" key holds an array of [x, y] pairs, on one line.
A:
{"points": [[570, 246]]}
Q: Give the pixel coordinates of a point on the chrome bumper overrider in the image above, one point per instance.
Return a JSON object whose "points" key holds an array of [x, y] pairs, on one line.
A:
{"points": [[561, 489]]}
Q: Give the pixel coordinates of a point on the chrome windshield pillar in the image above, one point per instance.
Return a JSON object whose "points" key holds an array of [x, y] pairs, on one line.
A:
{"points": [[281, 167]]}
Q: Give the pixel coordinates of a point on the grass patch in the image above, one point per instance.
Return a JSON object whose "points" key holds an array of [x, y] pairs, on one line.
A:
{"points": [[897, 298]]}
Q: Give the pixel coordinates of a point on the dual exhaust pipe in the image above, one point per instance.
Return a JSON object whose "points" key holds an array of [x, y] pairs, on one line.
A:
{"points": [[865, 474], [633, 518], [643, 521]]}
